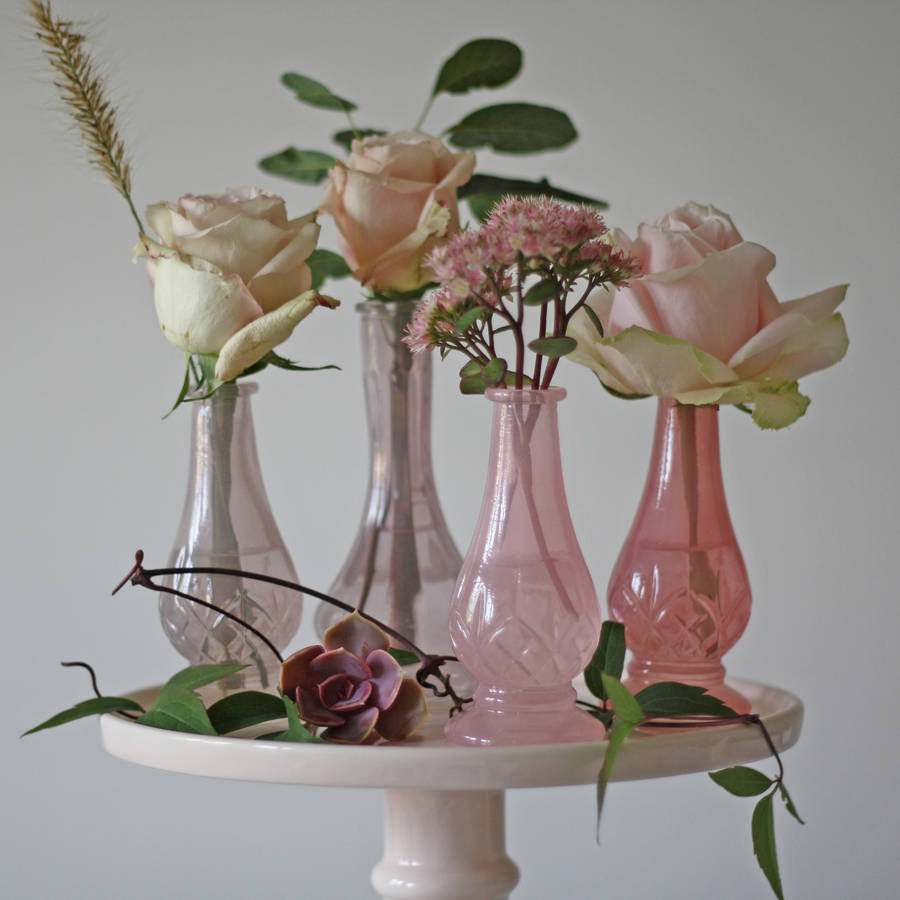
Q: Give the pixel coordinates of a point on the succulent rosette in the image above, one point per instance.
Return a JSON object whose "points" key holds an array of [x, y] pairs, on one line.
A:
{"points": [[702, 324], [352, 686], [229, 274]]}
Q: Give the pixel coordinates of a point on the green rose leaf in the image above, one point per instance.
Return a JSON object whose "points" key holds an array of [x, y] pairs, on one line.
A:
{"points": [[326, 264], [178, 709], [482, 192], [185, 385], [514, 128], [313, 92], [484, 62], [296, 731], [494, 372], [609, 657], [306, 166], [469, 318], [789, 804], [763, 831], [96, 706], [626, 706], [553, 347], [473, 384], [243, 709], [671, 698], [346, 137], [207, 364], [197, 676], [538, 294], [742, 781], [404, 657]]}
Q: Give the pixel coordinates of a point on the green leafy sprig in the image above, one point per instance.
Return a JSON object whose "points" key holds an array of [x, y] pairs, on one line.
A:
{"points": [[682, 706]]}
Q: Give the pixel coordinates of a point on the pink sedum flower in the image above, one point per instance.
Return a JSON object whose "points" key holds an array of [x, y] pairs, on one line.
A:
{"points": [[352, 687]]}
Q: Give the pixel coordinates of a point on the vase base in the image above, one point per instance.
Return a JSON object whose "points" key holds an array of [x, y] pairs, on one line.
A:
{"points": [[501, 719]]}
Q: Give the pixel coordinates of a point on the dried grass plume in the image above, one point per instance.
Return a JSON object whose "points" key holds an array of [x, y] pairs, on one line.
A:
{"points": [[83, 94]]}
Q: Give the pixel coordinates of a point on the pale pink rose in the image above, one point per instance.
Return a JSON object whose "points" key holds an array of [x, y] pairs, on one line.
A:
{"points": [[702, 324], [229, 274], [393, 201]]}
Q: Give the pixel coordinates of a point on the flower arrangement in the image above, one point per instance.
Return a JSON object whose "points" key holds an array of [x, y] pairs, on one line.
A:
{"points": [[395, 198]]}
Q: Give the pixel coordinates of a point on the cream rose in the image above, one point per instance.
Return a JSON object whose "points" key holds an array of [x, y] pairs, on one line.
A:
{"points": [[229, 274], [392, 201], [702, 325]]}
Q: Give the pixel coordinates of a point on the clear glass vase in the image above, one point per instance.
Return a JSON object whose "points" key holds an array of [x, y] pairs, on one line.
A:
{"points": [[403, 563], [227, 523], [525, 618], [679, 585]]}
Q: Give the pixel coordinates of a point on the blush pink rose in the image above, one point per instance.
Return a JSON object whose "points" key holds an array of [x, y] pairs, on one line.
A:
{"points": [[702, 324], [393, 201]]}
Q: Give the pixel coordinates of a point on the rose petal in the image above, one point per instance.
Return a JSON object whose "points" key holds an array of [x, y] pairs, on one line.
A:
{"points": [[818, 347], [357, 635], [313, 710], [255, 340], [340, 693], [339, 662], [405, 714], [295, 671], [356, 729], [386, 678], [199, 310]]}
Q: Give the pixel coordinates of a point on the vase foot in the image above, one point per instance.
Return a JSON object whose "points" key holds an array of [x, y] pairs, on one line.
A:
{"points": [[540, 716]]}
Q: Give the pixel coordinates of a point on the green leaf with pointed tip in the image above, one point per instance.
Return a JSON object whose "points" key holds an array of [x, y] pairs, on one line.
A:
{"points": [[514, 128], [296, 731], [623, 702], [595, 319], [609, 657], [282, 363], [185, 385], [494, 372], [236, 711], [484, 62], [96, 706], [485, 190], [472, 367], [178, 709], [763, 831], [472, 384], [616, 739], [305, 166], [207, 364], [313, 92], [789, 804], [469, 318], [742, 781], [672, 698], [404, 657], [538, 294], [346, 137], [197, 676], [553, 347], [326, 264]]}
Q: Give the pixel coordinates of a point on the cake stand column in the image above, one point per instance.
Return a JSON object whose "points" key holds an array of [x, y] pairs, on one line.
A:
{"points": [[444, 845]]}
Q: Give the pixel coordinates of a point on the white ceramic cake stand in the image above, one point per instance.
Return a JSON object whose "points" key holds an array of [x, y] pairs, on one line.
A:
{"points": [[444, 829]]}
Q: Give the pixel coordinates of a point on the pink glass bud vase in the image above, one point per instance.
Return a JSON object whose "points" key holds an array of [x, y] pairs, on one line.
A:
{"points": [[679, 585], [525, 617]]}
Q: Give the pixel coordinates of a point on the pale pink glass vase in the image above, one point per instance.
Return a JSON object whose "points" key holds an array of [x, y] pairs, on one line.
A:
{"points": [[525, 618], [227, 523], [679, 585]]}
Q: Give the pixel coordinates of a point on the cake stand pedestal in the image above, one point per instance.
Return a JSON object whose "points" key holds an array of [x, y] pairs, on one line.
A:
{"points": [[444, 830]]}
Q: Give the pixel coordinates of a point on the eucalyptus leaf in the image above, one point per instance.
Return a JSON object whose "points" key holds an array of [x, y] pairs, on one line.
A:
{"points": [[788, 803], [236, 711], [514, 128], [305, 166], [609, 657], [178, 709], [553, 347], [763, 831], [742, 781], [484, 62], [494, 372], [404, 657], [313, 92], [626, 706], [672, 698], [197, 676], [346, 137], [538, 294], [94, 707], [296, 731], [326, 264], [469, 318], [473, 384]]}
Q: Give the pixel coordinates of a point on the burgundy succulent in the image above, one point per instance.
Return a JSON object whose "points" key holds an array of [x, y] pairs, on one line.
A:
{"points": [[353, 687]]}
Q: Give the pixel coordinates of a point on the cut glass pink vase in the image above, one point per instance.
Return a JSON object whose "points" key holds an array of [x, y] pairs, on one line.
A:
{"points": [[679, 585], [525, 618]]}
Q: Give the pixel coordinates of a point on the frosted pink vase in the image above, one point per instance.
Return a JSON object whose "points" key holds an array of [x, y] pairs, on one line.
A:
{"points": [[679, 584], [525, 618]]}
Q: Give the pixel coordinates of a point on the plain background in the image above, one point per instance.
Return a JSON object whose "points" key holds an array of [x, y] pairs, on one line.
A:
{"points": [[782, 112]]}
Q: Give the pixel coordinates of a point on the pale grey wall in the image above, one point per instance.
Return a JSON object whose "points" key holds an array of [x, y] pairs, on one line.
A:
{"points": [[783, 112]]}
